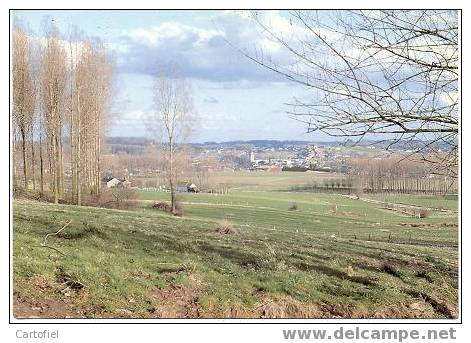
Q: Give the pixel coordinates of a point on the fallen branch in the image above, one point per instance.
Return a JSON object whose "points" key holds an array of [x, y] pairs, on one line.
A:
{"points": [[44, 245], [56, 233], [71, 284]]}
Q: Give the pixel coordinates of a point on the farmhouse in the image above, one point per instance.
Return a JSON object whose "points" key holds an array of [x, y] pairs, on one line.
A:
{"points": [[193, 188], [187, 187], [110, 182]]}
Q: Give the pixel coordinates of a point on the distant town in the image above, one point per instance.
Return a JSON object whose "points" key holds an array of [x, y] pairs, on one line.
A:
{"points": [[270, 155]]}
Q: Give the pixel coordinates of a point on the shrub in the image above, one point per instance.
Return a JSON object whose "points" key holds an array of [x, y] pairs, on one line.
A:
{"points": [[423, 213], [21, 193], [167, 207], [225, 227], [162, 206], [112, 198]]}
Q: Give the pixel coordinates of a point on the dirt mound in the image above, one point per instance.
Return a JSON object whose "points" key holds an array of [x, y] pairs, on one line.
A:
{"points": [[55, 298], [446, 310], [179, 301]]}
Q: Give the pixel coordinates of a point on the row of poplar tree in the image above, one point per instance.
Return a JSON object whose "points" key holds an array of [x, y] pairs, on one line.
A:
{"points": [[61, 94]]}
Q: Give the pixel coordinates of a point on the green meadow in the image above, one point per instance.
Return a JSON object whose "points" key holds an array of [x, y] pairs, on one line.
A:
{"points": [[290, 255]]}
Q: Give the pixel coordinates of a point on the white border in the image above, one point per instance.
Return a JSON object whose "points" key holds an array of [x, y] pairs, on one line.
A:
{"points": [[210, 333]]}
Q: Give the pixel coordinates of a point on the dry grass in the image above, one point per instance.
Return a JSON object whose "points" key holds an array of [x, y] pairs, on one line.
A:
{"points": [[225, 227]]}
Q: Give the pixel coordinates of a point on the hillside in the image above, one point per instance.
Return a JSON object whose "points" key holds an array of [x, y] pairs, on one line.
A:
{"points": [[356, 259]]}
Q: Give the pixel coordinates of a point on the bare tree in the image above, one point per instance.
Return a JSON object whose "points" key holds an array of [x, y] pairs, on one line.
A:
{"points": [[174, 119], [388, 73], [65, 89], [90, 94], [53, 82], [24, 95], [38, 127]]}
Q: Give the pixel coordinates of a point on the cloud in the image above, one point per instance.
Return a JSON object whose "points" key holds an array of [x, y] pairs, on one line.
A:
{"points": [[207, 50], [133, 115], [211, 100]]}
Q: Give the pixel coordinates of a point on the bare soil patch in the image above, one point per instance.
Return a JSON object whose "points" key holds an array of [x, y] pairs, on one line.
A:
{"points": [[179, 301], [285, 307], [47, 307]]}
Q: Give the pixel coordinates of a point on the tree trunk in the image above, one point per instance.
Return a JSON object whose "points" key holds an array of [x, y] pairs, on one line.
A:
{"points": [[73, 157], [79, 157], [172, 185], [32, 161], [50, 156], [41, 163], [14, 147], [98, 174], [25, 173], [60, 151], [56, 169]]}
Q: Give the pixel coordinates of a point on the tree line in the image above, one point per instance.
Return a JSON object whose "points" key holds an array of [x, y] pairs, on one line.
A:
{"points": [[400, 175], [396, 174], [60, 108]]}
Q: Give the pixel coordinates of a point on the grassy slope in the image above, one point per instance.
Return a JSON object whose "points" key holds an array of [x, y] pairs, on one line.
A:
{"points": [[279, 262], [316, 214]]}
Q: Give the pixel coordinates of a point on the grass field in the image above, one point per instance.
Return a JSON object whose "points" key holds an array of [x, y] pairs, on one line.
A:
{"points": [[446, 202], [331, 257], [261, 180]]}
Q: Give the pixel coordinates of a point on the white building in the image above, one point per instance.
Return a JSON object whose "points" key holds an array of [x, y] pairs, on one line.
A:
{"points": [[112, 182]]}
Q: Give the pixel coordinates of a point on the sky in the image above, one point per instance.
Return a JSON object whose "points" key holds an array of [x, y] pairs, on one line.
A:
{"points": [[235, 98]]}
